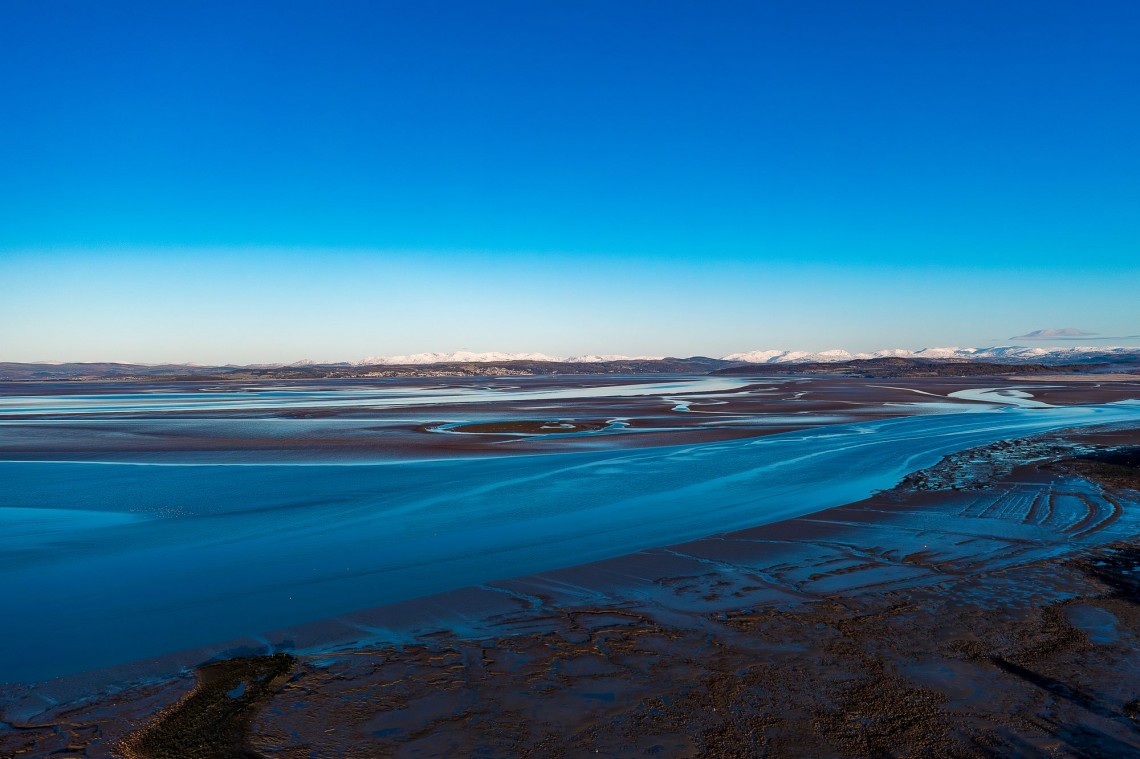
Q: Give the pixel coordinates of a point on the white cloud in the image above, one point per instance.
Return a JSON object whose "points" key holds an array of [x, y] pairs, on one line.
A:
{"points": [[1068, 333]]}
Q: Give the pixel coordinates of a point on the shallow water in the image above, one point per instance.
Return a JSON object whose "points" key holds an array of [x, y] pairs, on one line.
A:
{"points": [[113, 562], [253, 398], [1008, 396]]}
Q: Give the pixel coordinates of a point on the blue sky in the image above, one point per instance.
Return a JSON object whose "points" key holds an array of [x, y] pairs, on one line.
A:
{"points": [[268, 181]]}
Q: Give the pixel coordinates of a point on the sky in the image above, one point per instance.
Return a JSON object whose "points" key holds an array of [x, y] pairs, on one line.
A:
{"points": [[240, 182]]}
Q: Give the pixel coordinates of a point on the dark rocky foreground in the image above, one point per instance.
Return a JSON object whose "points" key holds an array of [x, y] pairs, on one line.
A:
{"points": [[988, 606], [214, 719]]}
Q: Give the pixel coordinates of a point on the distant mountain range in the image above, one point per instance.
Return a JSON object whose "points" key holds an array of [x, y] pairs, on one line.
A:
{"points": [[1016, 359], [1014, 353], [1008, 353], [461, 357]]}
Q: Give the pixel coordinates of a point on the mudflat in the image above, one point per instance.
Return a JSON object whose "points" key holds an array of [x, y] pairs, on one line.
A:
{"points": [[351, 421], [984, 605]]}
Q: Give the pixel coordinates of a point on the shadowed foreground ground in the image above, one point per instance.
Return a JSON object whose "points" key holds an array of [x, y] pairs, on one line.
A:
{"points": [[214, 718], [988, 606]]}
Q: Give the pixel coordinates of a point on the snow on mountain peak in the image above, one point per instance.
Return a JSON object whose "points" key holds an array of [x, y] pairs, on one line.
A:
{"points": [[495, 356], [796, 357], [1008, 352], [594, 359], [761, 356], [457, 357], [756, 357]]}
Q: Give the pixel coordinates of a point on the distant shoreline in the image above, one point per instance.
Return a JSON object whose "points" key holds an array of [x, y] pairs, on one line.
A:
{"points": [[874, 367]]}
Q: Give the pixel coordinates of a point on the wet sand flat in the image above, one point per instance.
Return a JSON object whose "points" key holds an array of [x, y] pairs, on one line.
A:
{"points": [[617, 653], [391, 420]]}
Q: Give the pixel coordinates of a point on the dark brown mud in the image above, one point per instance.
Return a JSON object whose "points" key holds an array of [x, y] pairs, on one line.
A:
{"points": [[215, 718]]}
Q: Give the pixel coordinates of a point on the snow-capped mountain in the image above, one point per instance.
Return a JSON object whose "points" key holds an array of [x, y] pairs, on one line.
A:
{"points": [[457, 357], [799, 357], [610, 357], [1122, 358], [492, 357], [1000, 353], [778, 356]]}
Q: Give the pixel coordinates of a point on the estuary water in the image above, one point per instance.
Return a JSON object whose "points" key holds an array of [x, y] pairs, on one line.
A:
{"points": [[104, 563], [276, 399]]}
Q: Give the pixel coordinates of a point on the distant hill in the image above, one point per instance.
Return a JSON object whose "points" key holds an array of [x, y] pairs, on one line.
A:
{"points": [[928, 362], [1002, 354], [906, 367], [299, 370], [105, 370]]}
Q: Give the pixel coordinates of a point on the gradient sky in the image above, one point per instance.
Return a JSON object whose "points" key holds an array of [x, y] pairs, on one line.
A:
{"points": [[245, 182]]}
